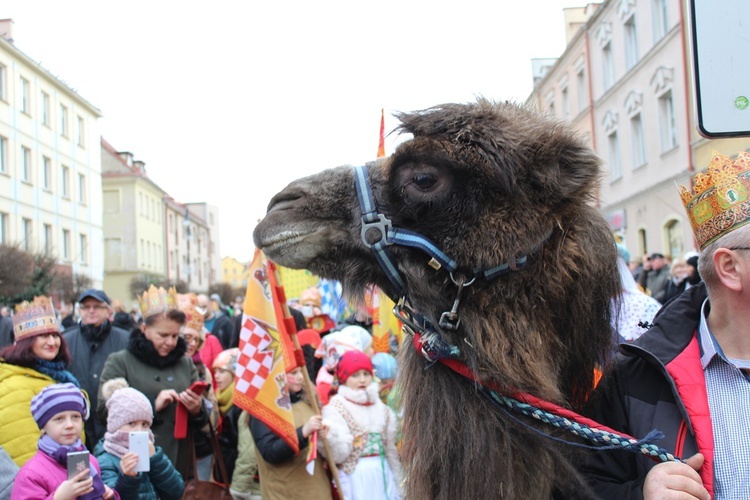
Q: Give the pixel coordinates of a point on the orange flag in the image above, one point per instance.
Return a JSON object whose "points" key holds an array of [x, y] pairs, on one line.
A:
{"points": [[384, 323], [265, 354], [381, 144]]}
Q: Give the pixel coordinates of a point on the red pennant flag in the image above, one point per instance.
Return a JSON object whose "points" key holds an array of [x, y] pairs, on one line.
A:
{"points": [[381, 144]]}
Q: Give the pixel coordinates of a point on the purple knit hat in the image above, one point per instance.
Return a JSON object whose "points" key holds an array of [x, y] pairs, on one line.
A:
{"points": [[57, 398]]}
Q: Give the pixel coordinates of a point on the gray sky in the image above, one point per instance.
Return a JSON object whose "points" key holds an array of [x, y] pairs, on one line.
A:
{"points": [[229, 101]]}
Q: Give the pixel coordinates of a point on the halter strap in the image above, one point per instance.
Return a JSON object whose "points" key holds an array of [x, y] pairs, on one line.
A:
{"points": [[373, 220]]}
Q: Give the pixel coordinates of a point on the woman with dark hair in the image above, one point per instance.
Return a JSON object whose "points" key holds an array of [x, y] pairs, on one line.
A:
{"points": [[155, 364], [38, 358]]}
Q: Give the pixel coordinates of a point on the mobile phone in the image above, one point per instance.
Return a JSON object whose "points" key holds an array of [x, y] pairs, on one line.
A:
{"points": [[138, 444], [78, 461], [199, 387]]}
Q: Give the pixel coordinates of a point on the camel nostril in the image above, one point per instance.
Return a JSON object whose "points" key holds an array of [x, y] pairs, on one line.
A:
{"points": [[285, 199]]}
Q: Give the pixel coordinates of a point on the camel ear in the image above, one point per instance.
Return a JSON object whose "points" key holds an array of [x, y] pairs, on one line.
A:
{"points": [[568, 171]]}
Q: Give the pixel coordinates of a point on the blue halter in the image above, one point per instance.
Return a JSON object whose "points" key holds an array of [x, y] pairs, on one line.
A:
{"points": [[373, 220]]}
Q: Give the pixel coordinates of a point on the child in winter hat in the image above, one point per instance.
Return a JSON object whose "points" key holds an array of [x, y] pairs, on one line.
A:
{"points": [[130, 411], [60, 411]]}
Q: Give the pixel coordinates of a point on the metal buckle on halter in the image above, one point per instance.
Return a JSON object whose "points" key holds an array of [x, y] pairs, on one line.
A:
{"points": [[383, 224]]}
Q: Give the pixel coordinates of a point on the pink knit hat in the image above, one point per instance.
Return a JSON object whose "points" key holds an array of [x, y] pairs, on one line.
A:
{"points": [[125, 404]]}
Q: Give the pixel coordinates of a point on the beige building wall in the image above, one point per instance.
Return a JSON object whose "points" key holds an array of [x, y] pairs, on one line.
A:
{"points": [[50, 167], [133, 223], [639, 119]]}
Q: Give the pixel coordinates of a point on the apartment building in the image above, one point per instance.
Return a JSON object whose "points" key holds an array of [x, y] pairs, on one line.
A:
{"points": [[624, 81], [134, 224], [234, 272], [188, 246], [50, 165], [210, 215]]}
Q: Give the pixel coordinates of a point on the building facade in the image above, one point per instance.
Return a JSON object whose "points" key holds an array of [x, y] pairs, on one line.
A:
{"points": [[188, 250], [133, 223], [50, 165], [210, 240], [234, 272], [624, 81]]}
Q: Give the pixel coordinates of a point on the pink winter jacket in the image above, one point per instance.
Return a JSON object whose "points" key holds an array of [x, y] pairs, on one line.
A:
{"points": [[41, 476]]}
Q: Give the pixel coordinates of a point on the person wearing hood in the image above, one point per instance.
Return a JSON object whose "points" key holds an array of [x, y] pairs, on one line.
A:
{"points": [[90, 343]]}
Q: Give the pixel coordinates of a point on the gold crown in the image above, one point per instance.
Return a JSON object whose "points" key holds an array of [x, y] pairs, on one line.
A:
{"points": [[157, 300], [720, 203], [34, 318], [188, 303]]}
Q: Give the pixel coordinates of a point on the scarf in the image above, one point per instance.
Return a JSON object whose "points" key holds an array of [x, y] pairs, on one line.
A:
{"points": [[55, 370], [118, 443], [95, 333], [59, 453], [362, 397], [143, 349], [224, 397]]}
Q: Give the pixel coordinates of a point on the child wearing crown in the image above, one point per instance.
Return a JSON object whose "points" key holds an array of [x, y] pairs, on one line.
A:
{"points": [[688, 375]]}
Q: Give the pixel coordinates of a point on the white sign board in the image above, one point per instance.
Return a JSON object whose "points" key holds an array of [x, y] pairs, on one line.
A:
{"points": [[720, 43]]}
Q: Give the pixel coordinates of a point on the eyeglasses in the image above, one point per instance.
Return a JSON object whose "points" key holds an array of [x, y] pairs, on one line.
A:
{"points": [[739, 248], [92, 308]]}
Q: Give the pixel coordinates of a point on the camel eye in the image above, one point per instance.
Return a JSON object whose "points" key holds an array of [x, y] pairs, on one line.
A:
{"points": [[424, 181]]}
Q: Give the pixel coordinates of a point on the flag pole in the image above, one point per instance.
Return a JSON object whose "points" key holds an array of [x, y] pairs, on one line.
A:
{"points": [[309, 387]]}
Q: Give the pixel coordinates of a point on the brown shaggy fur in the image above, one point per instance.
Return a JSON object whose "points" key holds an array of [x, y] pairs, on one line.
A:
{"points": [[486, 182]]}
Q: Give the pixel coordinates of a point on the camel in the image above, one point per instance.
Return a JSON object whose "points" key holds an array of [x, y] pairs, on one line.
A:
{"points": [[515, 280]]}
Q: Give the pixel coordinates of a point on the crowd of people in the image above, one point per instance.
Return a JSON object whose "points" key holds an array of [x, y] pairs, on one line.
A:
{"points": [[680, 328], [101, 382]]}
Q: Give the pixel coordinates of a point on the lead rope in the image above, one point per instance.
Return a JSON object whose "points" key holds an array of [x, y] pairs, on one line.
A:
{"points": [[437, 350]]}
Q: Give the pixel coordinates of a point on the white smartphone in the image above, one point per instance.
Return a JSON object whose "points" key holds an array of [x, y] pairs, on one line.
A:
{"points": [[78, 461], [138, 444]]}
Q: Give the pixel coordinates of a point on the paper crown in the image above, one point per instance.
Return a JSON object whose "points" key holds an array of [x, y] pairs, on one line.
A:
{"points": [[188, 303], [157, 300], [34, 318], [720, 203]]}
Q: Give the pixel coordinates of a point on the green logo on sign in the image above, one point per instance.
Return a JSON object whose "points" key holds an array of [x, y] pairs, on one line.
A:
{"points": [[741, 102]]}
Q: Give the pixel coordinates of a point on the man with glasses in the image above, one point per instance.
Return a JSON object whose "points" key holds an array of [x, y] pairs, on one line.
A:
{"points": [[90, 342], [689, 375]]}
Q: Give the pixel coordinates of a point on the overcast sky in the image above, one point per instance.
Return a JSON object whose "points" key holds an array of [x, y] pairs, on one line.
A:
{"points": [[228, 101]]}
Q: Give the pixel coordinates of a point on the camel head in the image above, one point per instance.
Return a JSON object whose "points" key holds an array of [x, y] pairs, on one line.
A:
{"points": [[504, 194]]}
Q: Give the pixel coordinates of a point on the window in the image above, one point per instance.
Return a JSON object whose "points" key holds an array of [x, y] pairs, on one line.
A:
{"points": [[65, 182], [46, 173], [638, 140], [140, 203], [565, 97], [25, 164], [631, 42], [4, 229], [113, 253], [660, 19], [667, 125], [83, 243], [63, 120], [81, 133], [3, 155], [673, 231], [66, 245], [608, 66], [81, 189], [3, 81], [143, 251], [111, 201], [25, 97], [45, 108], [642, 242], [27, 234], [615, 169], [47, 239]]}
